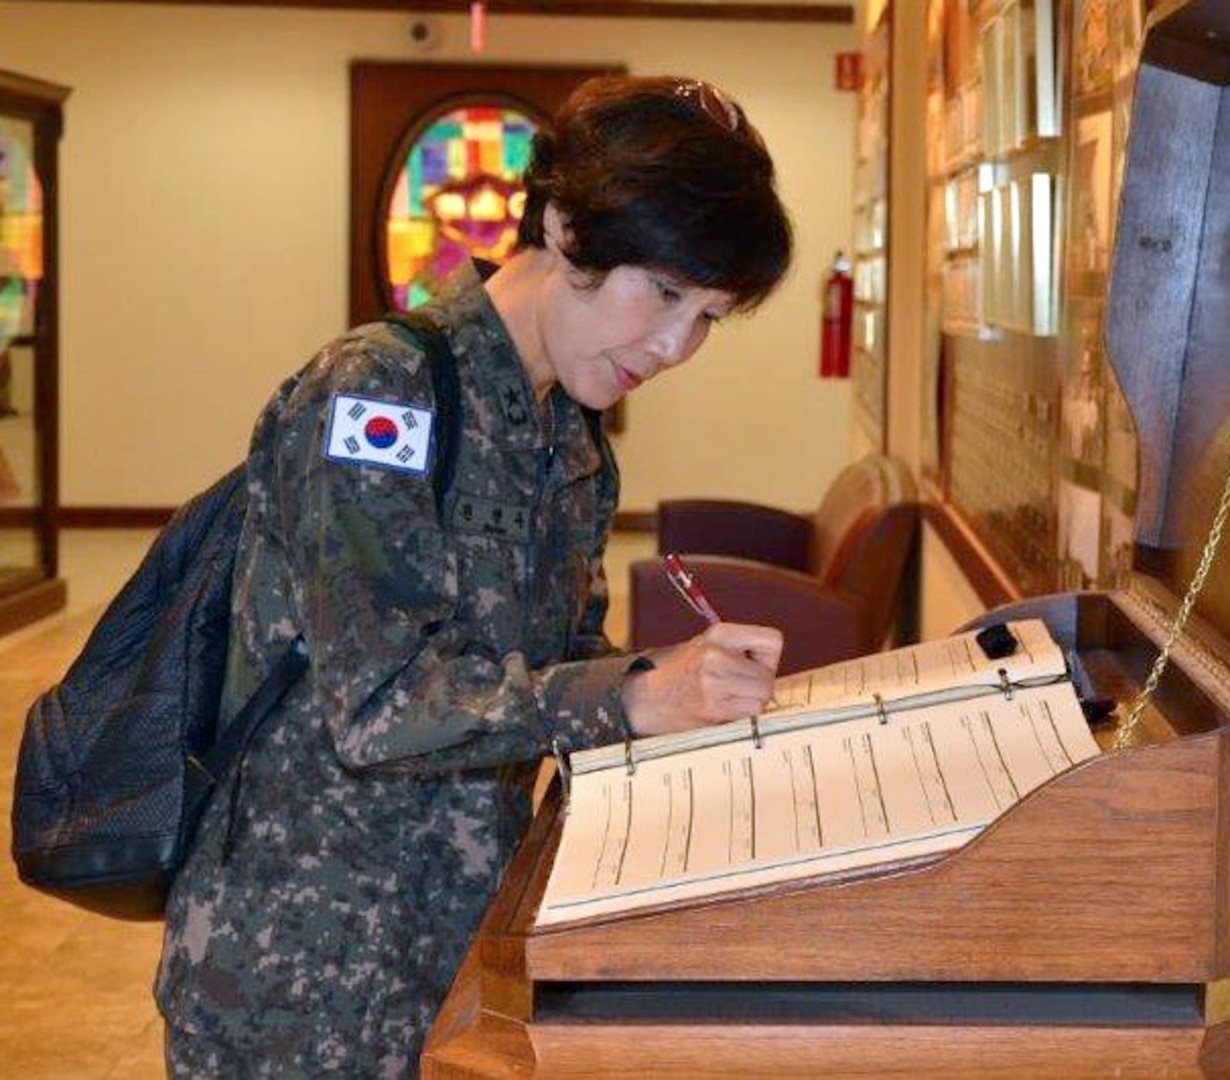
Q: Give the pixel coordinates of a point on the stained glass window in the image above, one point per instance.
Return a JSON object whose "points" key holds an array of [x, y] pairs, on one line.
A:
{"points": [[21, 230], [456, 193], [21, 273]]}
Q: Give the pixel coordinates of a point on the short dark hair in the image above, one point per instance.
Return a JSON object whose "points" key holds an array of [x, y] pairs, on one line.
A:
{"points": [[665, 173]]}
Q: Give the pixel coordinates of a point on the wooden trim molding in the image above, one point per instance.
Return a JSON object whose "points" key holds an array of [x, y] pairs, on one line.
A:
{"points": [[984, 574], [636, 521], [13, 84], [619, 9], [115, 517], [19, 517], [32, 604]]}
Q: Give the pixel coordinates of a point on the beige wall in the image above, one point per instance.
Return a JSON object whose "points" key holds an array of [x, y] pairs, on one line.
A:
{"points": [[947, 600], [204, 240]]}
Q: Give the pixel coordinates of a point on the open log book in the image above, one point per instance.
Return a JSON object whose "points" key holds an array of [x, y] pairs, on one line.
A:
{"points": [[868, 765]]}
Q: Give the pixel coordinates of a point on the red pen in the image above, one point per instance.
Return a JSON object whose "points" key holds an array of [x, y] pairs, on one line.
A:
{"points": [[685, 584], [693, 595]]}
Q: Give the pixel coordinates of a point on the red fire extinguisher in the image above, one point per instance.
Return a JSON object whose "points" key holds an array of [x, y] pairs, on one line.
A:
{"points": [[837, 302]]}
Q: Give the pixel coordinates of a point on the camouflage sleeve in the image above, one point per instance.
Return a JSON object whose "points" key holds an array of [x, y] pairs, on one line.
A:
{"points": [[375, 586], [591, 641], [584, 698]]}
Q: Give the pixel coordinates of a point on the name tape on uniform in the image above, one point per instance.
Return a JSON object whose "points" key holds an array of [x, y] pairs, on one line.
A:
{"points": [[387, 434]]}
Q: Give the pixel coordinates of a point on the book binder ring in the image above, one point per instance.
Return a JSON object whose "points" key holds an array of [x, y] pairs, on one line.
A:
{"points": [[563, 767], [1004, 684], [881, 711], [629, 757], [755, 732]]}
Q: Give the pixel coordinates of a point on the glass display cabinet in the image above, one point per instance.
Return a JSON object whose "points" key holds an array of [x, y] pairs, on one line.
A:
{"points": [[31, 121]]}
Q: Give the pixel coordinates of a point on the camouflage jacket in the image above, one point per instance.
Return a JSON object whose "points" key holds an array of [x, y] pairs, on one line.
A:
{"points": [[340, 873]]}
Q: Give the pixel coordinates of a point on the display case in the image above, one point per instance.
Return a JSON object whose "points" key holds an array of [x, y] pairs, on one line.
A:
{"points": [[31, 122], [1028, 446], [869, 360]]}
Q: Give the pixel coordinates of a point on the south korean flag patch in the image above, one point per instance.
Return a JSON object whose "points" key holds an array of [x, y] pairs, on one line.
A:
{"points": [[387, 434]]}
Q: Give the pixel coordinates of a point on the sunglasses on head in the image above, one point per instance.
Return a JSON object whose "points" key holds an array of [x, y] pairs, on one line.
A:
{"points": [[712, 102]]}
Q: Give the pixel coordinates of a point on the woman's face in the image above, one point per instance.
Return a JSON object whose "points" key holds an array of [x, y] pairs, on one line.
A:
{"points": [[603, 341]]}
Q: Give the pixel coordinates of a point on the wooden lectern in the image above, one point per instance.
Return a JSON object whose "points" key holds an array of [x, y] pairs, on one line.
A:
{"points": [[1079, 934]]}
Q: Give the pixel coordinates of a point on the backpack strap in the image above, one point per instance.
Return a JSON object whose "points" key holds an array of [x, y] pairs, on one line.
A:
{"points": [[205, 770], [203, 773], [418, 330], [593, 420]]}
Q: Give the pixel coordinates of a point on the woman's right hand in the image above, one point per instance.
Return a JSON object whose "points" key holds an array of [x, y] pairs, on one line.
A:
{"points": [[725, 673]]}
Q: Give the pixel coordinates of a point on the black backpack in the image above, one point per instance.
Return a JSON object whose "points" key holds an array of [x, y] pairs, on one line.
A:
{"points": [[118, 760]]}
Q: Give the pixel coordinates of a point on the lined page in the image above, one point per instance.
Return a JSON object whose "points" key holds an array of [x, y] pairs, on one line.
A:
{"points": [[950, 667], [830, 799], [945, 662]]}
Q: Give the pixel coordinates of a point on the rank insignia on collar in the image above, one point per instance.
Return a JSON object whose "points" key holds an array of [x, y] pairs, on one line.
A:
{"points": [[514, 403], [387, 434]]}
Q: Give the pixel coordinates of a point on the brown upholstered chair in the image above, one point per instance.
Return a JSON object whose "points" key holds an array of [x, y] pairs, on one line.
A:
{"points": [[837, 584]]}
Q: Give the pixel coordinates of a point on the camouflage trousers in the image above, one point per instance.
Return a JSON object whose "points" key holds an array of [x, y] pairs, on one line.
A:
{"points": [[194, 1056]]}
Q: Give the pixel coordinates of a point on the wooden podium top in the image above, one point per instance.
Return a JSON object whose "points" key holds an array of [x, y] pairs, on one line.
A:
{"points": [[1115, 871], [1107, 885]]}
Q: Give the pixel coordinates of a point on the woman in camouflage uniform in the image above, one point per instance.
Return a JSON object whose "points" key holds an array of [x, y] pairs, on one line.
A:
{"points": [[340, 872]]}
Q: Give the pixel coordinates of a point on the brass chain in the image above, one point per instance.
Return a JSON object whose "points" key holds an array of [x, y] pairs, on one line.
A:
{"points": [[1123, 737]]}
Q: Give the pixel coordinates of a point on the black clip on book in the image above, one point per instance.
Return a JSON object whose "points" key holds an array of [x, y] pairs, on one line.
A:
{"points": [[996, 641]]}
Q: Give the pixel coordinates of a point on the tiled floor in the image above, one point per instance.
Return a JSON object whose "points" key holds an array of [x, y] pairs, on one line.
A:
{"points": [[75, 987]]}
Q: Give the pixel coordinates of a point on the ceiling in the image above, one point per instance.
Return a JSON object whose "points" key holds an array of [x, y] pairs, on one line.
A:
{"points": [[813, 11]]}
